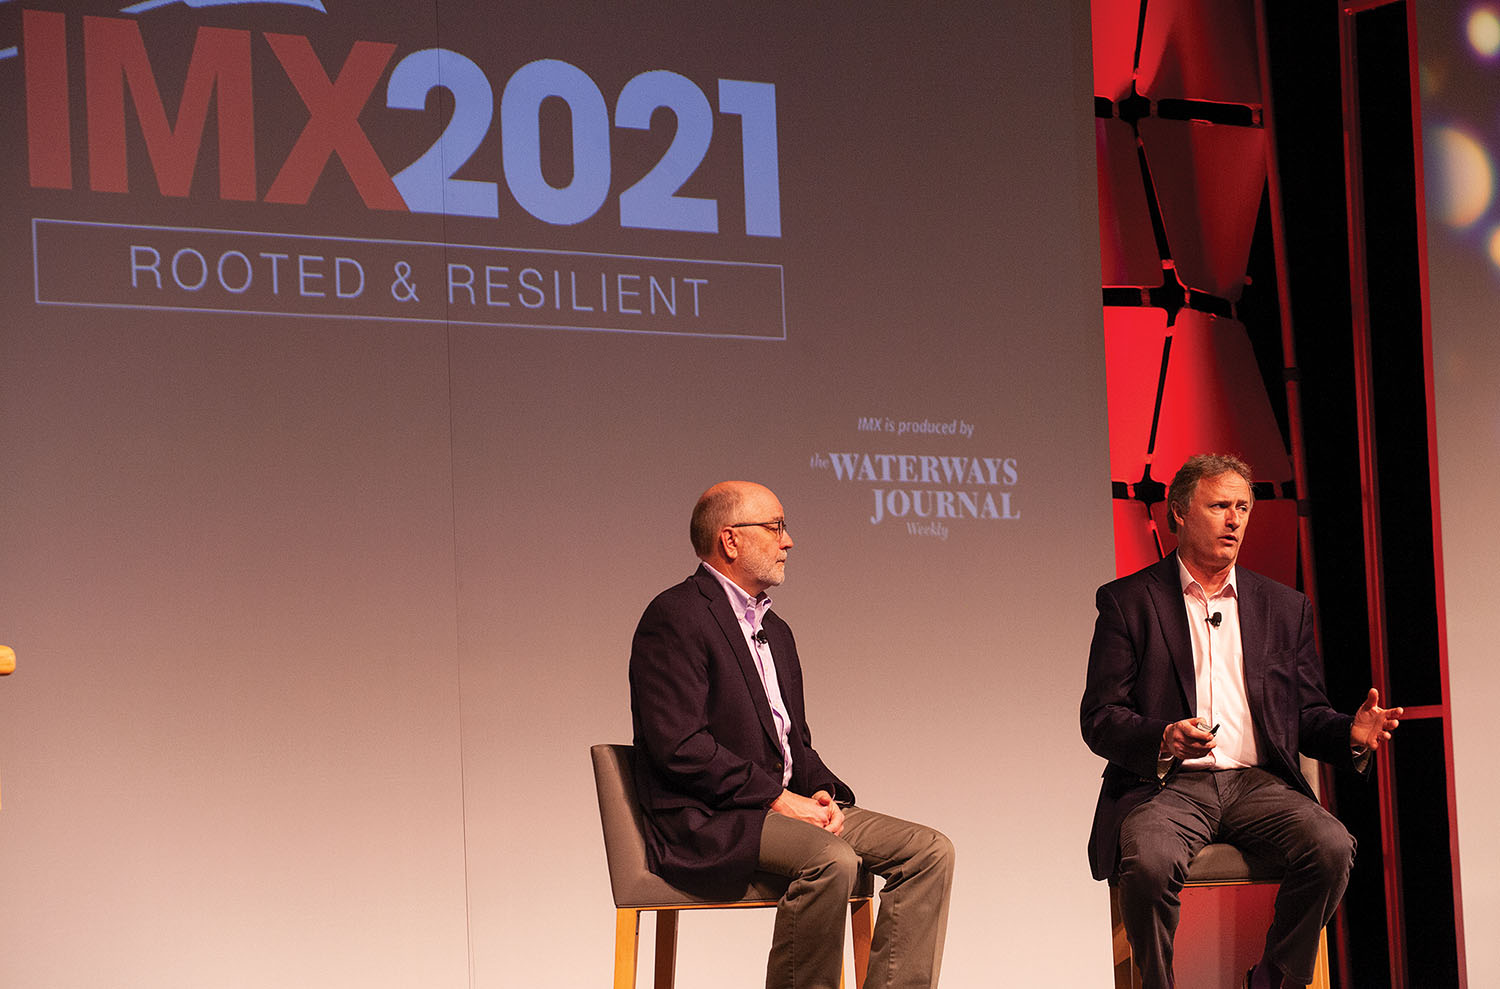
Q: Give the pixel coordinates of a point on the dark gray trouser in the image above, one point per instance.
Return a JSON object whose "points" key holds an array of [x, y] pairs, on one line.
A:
{"points": [[1257, 812], [807, 949]]}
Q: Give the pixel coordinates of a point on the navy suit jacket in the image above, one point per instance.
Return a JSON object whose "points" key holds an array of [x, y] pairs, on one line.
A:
{"points": [[707, 760], [1140, 679]]}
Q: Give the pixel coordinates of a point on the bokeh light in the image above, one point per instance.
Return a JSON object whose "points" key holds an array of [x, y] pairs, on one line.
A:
{"points": [[1493, 246], [1483, 29], [1461, 177]]}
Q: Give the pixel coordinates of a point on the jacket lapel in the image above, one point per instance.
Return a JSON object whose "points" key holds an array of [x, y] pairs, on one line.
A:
{"points": [[780, 644], [729, 624], [1253, 624], [1166, 597]]}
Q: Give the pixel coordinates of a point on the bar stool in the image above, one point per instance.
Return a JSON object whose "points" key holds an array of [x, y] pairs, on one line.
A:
{"points": [[637, 889], [1214, 865]]}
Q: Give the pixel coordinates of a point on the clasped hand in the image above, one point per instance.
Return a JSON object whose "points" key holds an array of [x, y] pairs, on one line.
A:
{"points": [[818, 809]]}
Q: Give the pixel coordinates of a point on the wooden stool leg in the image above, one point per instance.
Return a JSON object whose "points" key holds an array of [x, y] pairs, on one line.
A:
{"points": [[1127, 976], [627, 937], [1320, 967], [862, 927], [666, 948]]}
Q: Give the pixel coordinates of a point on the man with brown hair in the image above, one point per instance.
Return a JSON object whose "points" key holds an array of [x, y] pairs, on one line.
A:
{"points": [[1204, 685]]}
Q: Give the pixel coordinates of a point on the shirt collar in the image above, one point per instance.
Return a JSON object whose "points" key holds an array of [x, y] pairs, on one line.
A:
{"points": [[1188, 582], [752, 609]]}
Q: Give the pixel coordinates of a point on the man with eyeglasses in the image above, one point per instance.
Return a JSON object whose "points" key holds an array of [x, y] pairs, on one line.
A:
{"points": [[729, 780]]}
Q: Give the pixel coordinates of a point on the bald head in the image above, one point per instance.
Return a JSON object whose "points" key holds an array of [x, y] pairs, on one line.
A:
{"points": [[720, 506], [729, 532]]}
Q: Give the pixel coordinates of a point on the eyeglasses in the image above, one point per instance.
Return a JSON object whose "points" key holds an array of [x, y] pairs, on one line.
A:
{"points": [[777, 526]]}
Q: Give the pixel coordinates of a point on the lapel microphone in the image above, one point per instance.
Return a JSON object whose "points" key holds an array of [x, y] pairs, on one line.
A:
{"points": [[760, 635], [1215, 618]]}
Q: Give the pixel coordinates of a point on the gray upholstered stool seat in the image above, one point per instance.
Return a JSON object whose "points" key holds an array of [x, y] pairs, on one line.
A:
{"points": [[637, 889]]}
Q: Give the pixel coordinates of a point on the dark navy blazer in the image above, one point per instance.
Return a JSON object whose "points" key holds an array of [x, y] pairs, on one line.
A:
{"points": [[708, 763], [1140, 679]]}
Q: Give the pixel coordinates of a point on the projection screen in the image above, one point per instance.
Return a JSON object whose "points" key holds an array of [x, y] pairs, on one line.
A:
{"points": [[359, 367]]}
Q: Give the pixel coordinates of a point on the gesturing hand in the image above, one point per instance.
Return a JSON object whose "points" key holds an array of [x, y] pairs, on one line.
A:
{"points": [[1373, 724], [1188, 739]]}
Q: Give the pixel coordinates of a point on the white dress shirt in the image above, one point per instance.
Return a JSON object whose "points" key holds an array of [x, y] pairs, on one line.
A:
{"points": [[1219, 673]]}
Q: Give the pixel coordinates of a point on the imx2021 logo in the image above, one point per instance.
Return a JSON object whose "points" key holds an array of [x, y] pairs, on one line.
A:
{"points": [[130, 99]]}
